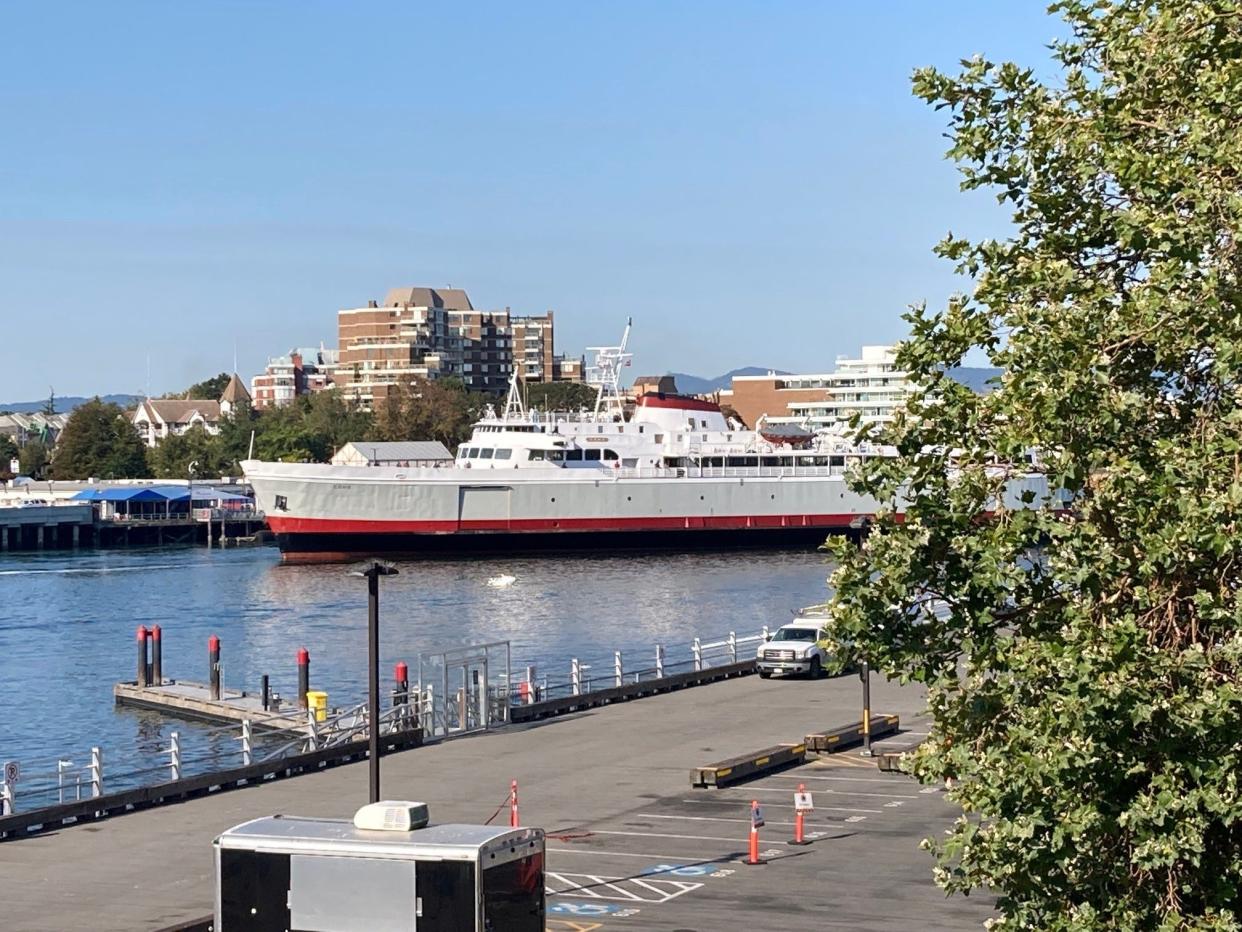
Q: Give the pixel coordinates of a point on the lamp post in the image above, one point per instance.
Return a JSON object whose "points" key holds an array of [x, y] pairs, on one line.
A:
{"points": [[373, 571]]}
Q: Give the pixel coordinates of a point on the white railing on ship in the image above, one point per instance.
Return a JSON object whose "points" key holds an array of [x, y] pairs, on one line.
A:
{"points": [[725, 472]]}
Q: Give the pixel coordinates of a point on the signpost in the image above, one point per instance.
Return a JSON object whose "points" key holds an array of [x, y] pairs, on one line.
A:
{"points": [[802, 805]]}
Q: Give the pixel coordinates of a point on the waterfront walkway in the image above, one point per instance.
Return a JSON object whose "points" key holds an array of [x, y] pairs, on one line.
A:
{"points": [[610, 786]]}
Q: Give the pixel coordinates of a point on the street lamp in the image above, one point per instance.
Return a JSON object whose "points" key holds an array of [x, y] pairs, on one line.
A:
{"points": [[373, 571]]}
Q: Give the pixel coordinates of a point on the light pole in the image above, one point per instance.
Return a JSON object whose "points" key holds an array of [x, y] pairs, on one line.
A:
{"points": [[373, 571]]}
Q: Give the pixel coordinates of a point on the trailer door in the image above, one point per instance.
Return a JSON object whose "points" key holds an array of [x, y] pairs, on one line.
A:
{"points": [[513, 895]]}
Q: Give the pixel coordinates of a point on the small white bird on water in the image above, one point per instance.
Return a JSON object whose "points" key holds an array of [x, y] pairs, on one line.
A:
{"points": [[499, 582]]}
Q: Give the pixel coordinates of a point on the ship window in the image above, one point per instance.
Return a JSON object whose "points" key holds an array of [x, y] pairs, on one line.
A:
{"points": [[503, 454], [640, 430], [555, 456], [702, 422], [485, 453], [573, 456], [630, 462], [838, 461], [659, 438], [610, 454], [787, 461], [472, 452], [770, 461], [592, 456]]}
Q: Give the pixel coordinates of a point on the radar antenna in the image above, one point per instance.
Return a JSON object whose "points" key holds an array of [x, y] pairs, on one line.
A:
{"points": [[605, 374]]}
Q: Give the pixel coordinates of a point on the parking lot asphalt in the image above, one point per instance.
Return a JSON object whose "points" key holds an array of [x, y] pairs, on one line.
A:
{"points": [[631, 845], [679, 861]]}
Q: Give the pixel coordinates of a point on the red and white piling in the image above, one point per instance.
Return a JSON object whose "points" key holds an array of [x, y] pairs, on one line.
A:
{"points": [[513, 805]]}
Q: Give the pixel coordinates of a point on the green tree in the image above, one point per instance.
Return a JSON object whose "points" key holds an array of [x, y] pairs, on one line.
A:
{"points": [[172, 458], [34, 459], [440, 409], [1087, 693], [99, 441], [209, 389], [8, 452], [560, 396]]}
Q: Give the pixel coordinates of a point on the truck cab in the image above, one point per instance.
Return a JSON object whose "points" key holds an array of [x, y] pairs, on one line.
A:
{"points": [[796, 648]]}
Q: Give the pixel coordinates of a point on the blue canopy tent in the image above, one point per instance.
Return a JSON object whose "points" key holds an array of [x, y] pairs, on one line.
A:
{"points": [[154, 501]]}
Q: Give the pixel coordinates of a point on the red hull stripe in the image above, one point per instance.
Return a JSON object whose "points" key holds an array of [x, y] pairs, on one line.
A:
{"points": [[287, 525]]}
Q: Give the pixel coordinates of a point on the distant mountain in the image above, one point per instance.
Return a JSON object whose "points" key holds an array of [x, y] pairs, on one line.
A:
{"points": [[980, 378], [66, 404], [697, 385]]}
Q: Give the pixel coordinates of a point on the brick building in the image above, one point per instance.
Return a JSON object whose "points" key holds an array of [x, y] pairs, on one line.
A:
{"points": [[299, 372], [433, 333]]}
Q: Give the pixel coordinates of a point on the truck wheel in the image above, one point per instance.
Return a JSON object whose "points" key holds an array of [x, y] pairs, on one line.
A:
{"points": [[816, 668], [764, 674]]}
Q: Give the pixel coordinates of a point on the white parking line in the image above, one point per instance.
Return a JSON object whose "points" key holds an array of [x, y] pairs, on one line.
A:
{"points": [[691, 818], [736, 840], [600, 852], [759, 789], [785, 776]]}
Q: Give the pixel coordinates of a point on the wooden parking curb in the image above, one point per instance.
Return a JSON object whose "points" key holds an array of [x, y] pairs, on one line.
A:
{"points": [[844, 736], [736, 769]]}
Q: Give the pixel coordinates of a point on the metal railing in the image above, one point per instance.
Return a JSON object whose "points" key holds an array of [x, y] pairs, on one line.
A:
{"points": [[63, 779], [51, 781], [605, 673]]}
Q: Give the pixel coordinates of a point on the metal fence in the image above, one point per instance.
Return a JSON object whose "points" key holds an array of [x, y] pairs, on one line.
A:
{"points": [[458, 691], [38, 783], [659, 661]]}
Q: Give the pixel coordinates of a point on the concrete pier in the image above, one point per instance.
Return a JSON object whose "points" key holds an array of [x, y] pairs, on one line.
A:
{"points": [[630, 845]]}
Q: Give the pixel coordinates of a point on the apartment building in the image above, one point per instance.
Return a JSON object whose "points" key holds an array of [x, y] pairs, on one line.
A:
{"points": [[299, 372], [432, 333], [870, 386]]}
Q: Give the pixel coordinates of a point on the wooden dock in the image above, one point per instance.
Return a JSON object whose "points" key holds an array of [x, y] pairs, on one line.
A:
{"points": [[193, 700]]}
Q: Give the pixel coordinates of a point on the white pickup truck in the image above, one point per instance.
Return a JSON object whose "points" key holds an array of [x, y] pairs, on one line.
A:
{"points": [[797, 647]]}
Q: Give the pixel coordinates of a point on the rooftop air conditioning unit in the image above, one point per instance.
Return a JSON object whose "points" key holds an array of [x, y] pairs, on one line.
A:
{"points": [[392, 815]]}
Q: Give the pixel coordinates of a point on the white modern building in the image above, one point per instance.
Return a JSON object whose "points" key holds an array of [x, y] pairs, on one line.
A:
{"points": [[870, 386]]}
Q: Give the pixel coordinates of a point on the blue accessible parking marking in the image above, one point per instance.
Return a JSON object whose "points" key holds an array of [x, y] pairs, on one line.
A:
{"points": [[562, 908], [680, 870]]}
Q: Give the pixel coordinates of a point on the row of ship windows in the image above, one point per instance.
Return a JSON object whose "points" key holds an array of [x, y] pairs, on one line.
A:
{"points": [[552, 456]]}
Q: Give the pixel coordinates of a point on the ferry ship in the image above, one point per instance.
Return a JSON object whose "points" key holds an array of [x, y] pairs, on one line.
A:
{"points": [[674, 474]]}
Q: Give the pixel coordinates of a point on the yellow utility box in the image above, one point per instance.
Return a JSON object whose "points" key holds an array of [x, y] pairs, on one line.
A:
{"points": [[317, 702]]}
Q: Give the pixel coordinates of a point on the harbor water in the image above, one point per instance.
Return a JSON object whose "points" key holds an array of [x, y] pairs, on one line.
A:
{"points": [[68, 621]]}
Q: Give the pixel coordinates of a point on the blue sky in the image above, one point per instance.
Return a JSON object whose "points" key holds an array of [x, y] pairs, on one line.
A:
{"points": [[752, 182]]}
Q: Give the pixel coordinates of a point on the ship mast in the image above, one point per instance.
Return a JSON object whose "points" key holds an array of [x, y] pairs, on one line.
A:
{"points": [[514, 408], [606, 373]]}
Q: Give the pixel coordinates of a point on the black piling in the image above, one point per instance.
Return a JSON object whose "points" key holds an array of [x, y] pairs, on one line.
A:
{"points": [[303, 676]]}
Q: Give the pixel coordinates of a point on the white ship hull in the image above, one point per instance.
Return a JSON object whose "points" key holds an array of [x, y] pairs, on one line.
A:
{"points": [[331, 512]]}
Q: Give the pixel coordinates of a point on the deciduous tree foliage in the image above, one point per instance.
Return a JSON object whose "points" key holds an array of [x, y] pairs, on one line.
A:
{"points": [[99, 441], [440, 409], [1086, 693]]}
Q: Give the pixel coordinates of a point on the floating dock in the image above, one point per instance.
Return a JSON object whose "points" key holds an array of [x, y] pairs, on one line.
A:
{"points": [[193, 700]]}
